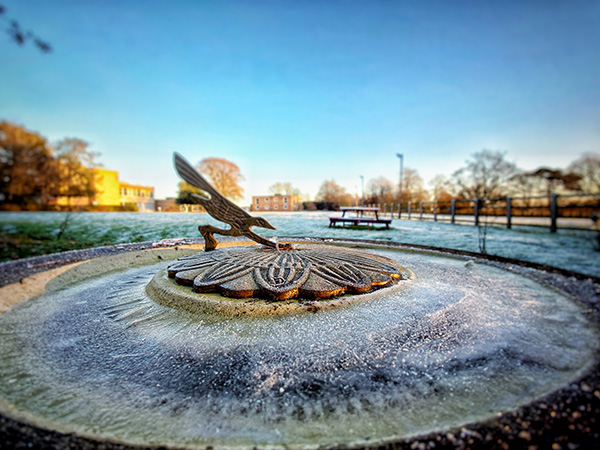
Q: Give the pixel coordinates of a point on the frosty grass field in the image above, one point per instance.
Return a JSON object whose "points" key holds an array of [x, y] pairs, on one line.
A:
{"points": [[569, 249]]}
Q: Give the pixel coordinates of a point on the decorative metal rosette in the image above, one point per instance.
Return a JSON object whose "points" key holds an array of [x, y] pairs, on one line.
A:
{"points": [[310, 272]]}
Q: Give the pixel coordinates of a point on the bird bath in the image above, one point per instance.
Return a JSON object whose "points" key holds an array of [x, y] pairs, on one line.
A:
{"points": [[455, 342], [291, 345]]}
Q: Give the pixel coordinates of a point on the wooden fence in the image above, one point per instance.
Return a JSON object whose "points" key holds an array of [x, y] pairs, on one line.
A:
{"points": [[555, 211]]}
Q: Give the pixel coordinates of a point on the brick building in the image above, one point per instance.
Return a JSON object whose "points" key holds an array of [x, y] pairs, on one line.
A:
{"points": [[275, 203]]}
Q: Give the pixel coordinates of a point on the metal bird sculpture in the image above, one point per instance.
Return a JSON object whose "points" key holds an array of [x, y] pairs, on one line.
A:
{"points": [[222, 209]]}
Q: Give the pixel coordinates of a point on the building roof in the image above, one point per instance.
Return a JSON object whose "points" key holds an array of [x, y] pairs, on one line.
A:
{"points": [[134, 186]]}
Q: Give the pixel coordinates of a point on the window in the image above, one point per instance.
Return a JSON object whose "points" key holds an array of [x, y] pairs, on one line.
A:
{"points": [[267, 207], [285, 207], [276, 207], [266, 199], [257, 207], [257, 201], [285, 199]]}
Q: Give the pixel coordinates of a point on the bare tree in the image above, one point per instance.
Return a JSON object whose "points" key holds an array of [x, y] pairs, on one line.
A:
{"points": [[487, 175], [588, 169], [286, 188], [441, 189], [549, 181], [413, 189], [380, 190], [19, 35], [525, 187]]}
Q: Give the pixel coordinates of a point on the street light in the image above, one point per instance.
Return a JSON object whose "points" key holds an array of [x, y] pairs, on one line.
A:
{"points": [[362, 189], [401, 158]]}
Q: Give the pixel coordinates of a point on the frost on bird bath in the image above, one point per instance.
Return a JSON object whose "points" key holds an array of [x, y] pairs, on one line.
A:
{"points": [[131, 348], [277, 271]]}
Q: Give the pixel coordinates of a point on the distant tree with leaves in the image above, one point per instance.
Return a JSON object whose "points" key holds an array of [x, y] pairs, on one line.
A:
{"points": [[222, 174], [185, 193], [32, 172], [74, 169], [333, 195], [486, 175], [27, 166]]}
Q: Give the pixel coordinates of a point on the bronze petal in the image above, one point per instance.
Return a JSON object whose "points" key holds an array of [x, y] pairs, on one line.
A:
{"points": [[345, 275], [218, 274]]}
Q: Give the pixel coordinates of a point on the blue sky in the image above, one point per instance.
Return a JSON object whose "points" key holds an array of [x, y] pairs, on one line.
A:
{"points": [[304, 91]]}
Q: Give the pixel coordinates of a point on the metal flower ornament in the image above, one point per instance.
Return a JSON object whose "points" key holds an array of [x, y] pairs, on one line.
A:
{"points": [[311, 272], [273, 271]]}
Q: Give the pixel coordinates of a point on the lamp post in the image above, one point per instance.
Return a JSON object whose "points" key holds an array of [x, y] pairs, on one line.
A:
{"points": [[401, 158], [362, 189]]}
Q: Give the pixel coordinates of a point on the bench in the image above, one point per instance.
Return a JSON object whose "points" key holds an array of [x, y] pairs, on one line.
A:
{"points": [[359, 218], [368, 221]]}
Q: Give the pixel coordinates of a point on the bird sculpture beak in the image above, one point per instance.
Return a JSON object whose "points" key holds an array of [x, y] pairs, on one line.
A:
{"points": [[268, 225]]}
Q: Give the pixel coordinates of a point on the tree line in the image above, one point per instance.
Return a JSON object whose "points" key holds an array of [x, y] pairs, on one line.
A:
{"points": [[34, 172], [486, 174]]}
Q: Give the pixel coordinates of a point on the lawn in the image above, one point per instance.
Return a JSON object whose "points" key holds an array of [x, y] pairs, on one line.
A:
{"points": [[30, 234]]}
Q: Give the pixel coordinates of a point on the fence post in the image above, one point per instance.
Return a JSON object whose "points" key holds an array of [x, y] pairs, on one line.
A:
{"points": [[420, 210], [452, 211], [508, 213], [476, 212], [399, 210], [553, 213], [409, 205], [435, 211]]}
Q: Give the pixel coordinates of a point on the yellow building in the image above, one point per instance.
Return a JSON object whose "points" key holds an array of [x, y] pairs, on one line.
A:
{"points": [[112, 192], [275, 203]]}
